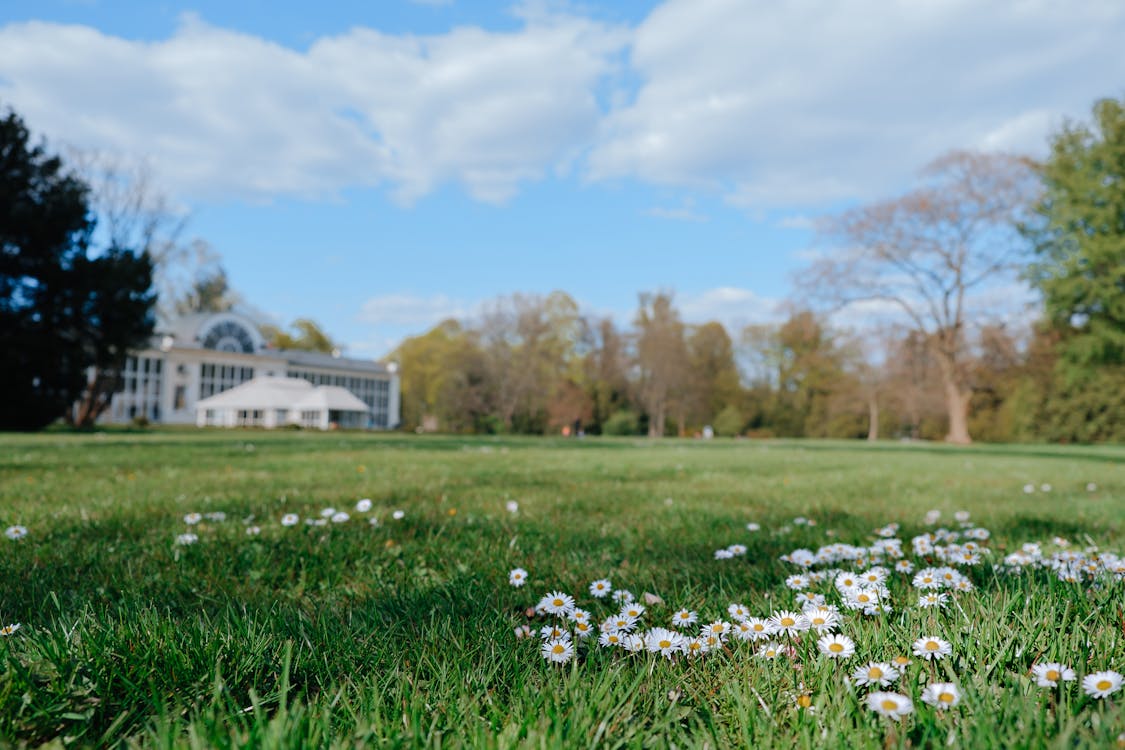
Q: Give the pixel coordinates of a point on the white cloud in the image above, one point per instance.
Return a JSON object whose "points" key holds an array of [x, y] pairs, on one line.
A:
{"points": [[684, 212], [412, 310], [734, 307], [789, 103], [219, 112]]}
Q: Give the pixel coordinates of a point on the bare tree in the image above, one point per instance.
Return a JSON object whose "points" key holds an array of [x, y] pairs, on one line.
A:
{"points": [[661, 357], [930, 252]]}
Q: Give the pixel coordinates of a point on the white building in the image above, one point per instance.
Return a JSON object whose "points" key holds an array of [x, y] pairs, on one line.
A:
{"points": [[199, 356], [276, 402]]}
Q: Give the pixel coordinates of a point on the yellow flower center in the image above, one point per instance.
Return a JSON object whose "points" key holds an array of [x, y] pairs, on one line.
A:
{"points": [[932, 646], [1104, 685], [1053, 675], [759, 627], [875, 673], [901, 660], [889, 705], [946, 698], [863, 598], [804, 701], [558, 602], [787, 621], [818, 621], [665, 644], [558, 648], [836, 648]]}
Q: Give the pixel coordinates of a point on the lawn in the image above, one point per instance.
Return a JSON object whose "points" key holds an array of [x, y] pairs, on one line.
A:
{"points": [[402, 632]]}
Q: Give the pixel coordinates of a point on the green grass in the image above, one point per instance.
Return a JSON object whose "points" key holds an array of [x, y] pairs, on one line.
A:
{"points": [[402, 634]]}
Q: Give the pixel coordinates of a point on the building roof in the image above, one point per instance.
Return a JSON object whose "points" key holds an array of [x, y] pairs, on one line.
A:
{"points": [[283, 393], [297, 357]]}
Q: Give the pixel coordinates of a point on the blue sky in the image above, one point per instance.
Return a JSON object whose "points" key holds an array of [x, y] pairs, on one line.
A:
{"points": [[378, 166]]}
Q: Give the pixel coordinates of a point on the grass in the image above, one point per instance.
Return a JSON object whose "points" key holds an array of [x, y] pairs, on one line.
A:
{"points": [[402, 634]]}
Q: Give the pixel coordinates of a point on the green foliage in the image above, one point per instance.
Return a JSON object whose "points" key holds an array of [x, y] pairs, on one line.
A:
{"points": [[1080, 236], [621, 423], [303, 335], [401, 634], [62, 308], [729, 422]]}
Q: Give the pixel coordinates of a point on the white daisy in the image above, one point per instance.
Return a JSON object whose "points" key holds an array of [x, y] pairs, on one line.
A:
{"points": [[891, 705], [363, 505], [580, 615], [738, 612], [327, 512], [753, 526], [9, 629], [554, 633], [941, 695], [684, 617], [218, 516], [523, 631], [633, 611], [600, 588], [933, 599], [664, 642], [398, 515], [186, 539], [717, 629], [15, 532], [517, 577], [623, 596], [789, 623], [340, 517], [1101, 684], [1049, 674], [253, 530], [932, 647], [557, 603], [191, 519], [583, 628], [875, 673], [610, 638], [559, 652], [822, 620], [836, 646], [770, 650], [512, 506], [759, 628], [290, 519]]}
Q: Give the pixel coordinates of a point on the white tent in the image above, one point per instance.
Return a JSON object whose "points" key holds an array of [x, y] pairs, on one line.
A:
{"points": [[275, 402]]}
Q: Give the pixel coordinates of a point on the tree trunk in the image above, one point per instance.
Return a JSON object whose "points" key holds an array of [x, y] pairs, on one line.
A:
{"points": [[872, 418], [656, 424], [957, 397]]}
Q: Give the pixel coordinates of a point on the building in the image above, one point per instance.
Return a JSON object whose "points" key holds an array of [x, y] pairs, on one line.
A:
{"points": [[278, 402], [200, 356]]}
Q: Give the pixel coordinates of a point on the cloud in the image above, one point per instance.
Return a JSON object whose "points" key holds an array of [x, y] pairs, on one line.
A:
{"points": [[793, 104], [685, 212], [222, 113], [734, 307], [412, 310]]}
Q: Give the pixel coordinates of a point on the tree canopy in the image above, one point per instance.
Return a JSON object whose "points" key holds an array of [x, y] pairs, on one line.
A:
{"points": [[63, 307]]}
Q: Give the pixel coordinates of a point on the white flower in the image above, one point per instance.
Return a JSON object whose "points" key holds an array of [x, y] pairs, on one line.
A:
{"points": [[1091, 487], [217, 516], [186, 539], [822, 620], [517, 577], [723, 554], [600, 588], [941, 695], [770, 650], [191, 519], [836, 646], [684, 617], [623, 596], [15, 532], [1101, 684], [398, 515], [759, 628], [523, 631], [663, 641], [253, 531], [932, 647], [961, 516], [632, 610], [340, 517], [738, 612], [7, 630], [363, 505], [1045, 487], [753, 526], [373, 521], [891, 705], [557, 603], [290, 519], [554, 633], [1049, 674], [512, 506], [875, 673], [558, 651], [933, 599], [789, 623], [327, 512]]}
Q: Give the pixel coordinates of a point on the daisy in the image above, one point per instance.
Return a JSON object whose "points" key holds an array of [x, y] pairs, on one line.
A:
{"points": [[557, 603], [737, 612], [932, 647], [191, 519], [718, 629], [327, 512], [253, 530], [933, 599], [875, 673], [941, 695], [619, 623], [186, 539], [9, 629], [15, 532], [684, 618], [517, 577], [753, 526], [583, 629], [891, 705], [822, 620], [633, 611], [926, 579], [810, 599], [523, 631], [1102, 684], [600, 588], [363, 505], [512, 506], [290, 519], [737, 549], [610, 638], [770, 650], [340, 517], [559, 652], [759, 628], [554, 633], [663, 641], [623, 596], [694, 647], [398, 515], [797, 582], [580, 615], [217, 516], [836, 646], [1049, 674], [789, 623]]}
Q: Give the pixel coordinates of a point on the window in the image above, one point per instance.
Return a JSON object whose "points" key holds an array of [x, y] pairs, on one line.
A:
{"points": [[179, 402], [310, 418], [218, 378]]}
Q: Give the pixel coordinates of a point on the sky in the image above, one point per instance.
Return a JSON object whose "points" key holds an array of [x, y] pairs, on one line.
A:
{"points": [[380, 165]]}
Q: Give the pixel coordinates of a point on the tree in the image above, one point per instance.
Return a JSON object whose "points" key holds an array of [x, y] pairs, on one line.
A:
{"points": [[714, 383], [303, 334], [1079, 236], [930, 252], [63, 309], [661, 357], [209, 292]]}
